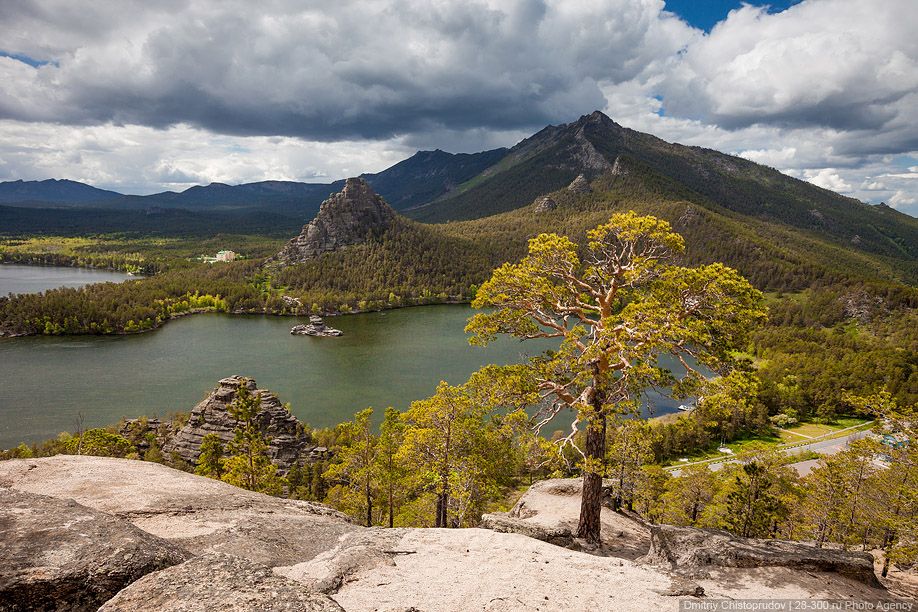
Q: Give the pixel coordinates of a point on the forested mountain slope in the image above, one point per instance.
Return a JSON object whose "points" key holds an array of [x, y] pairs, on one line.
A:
{"points": [[595, 145]]}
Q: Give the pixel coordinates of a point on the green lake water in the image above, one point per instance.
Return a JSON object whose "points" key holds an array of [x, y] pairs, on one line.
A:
{"points": [[384, 359]]}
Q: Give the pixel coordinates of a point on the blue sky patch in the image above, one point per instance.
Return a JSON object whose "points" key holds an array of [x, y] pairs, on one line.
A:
{"points": [[25, 59], [705, 14]]}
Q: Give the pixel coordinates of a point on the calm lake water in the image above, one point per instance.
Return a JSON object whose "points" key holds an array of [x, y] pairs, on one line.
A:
{"points": [[15, 278], [384, 359]]}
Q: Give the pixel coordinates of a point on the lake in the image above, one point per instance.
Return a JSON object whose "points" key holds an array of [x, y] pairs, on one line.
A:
{"points": [[384, 359], [16, 278]]}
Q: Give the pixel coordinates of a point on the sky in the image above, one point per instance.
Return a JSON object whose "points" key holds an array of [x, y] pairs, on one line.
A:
{"points": [[141, 96]]}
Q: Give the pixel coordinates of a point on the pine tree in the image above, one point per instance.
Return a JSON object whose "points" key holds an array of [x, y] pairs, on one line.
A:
{"points": [[210, 459], [354, 467], [444, 448], [614, 313], [248, 465], [391, 472], [688, 495]]}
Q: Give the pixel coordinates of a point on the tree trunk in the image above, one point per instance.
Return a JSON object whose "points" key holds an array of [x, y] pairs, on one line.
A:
{"points": [[591, 499], [391, 507], [369, 504], [442, 503]]}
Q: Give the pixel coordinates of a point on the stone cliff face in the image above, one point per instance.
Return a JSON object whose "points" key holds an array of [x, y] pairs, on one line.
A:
{"points": [[345, 218], [287, 440]]}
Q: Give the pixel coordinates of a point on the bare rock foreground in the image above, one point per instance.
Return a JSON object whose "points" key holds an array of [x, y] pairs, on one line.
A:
{"points": [[251, 551]]}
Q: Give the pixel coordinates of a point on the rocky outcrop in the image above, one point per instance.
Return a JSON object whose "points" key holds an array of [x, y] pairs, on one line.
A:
{"points": [[580, 185], [291, 302], [375, 569], [445, 570], [861, 305], [618, 167], [544, 204], [550, 509], [559, 536], [216, 581], [316, 327], [58, 555], [287, 440], [345, 218], [196, 513], [693, 551]]}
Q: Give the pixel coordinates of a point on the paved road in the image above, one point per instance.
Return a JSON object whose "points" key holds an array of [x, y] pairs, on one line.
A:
{"points": [[823, 447]]}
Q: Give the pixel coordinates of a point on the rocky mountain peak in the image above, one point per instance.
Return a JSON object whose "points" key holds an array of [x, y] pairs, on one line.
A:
{"points": [[345, 218], [597, 118]]}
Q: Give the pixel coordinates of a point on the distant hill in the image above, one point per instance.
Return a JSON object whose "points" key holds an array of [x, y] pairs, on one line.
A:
{"points": [[423, 177], [53, 191], [782, 232], [428, 175]]}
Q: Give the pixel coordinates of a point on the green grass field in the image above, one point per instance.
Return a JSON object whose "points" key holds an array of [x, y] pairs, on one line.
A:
{"points": [[805, 431], [798, 434]]}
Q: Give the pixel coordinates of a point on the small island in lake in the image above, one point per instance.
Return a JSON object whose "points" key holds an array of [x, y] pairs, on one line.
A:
{"points": [[316, 327]]}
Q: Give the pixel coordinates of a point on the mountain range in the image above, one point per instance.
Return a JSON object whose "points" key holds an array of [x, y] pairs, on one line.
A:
{"points": [[422, 178], [748, 209]]}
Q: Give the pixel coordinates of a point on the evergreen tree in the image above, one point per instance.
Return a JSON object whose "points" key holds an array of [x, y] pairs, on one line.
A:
{"points": [[630, 448], [392, 474], [614, 312], [210, 459], [755, 498], [443, 448], [248, 465], [688, 495], [354, 466]]}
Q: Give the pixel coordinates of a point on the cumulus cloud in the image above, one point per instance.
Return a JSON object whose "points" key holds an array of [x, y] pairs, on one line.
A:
{"points": [[138, 159], [844, 64], [144, 95], [328, 70], [827, 178]]}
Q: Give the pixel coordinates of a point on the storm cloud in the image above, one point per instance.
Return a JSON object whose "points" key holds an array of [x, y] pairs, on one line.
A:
{"points": [[144, 96]]}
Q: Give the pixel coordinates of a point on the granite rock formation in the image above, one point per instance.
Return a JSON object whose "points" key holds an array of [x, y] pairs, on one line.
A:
{"points": [[544, 204], [345, 218], [287, 440], [380, 569], [215, 581], [618, 167], [580, 185], [692, 551], [195, 513], [58, 555]]}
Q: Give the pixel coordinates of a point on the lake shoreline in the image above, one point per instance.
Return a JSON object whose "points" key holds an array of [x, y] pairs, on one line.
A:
{"points": [[5, 333]]}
